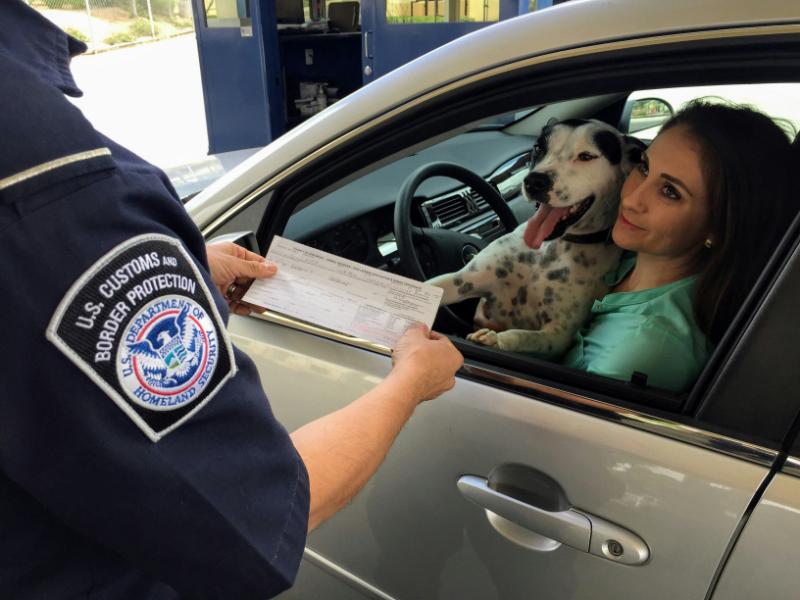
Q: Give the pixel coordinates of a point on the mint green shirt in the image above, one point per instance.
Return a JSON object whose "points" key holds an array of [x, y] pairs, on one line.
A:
{"points": [[651, 331]]}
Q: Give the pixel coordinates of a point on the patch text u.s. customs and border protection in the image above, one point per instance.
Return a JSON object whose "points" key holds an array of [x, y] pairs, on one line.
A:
{"points": [[142, 324]]}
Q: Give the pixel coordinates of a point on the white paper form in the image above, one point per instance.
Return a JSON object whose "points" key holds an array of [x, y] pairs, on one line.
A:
{"points": [[342, 295]]}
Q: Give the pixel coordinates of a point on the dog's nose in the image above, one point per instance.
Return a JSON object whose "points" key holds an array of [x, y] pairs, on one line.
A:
{"points": [[536, 183]]}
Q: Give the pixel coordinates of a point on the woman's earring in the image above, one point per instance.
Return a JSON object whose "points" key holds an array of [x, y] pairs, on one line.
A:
{"points": [[708, 243]]}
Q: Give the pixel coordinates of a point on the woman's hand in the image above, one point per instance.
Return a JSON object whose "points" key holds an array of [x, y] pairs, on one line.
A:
{"points": [[426, 361], [232, 268]]}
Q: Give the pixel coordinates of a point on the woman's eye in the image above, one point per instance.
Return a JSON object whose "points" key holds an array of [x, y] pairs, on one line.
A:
{"points": [[586, 156], [670, 192]]}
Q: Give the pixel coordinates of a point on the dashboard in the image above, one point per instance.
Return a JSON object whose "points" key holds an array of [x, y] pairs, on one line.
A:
{"points": [[356, 220]]}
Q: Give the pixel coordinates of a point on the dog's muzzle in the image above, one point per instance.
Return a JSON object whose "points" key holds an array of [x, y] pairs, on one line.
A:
{"points": [[537, 185]]}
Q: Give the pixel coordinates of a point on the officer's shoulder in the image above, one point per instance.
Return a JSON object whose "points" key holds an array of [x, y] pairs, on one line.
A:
{"points": [[45, 136]]}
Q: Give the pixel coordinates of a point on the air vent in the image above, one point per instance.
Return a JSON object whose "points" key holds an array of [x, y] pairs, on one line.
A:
{"points": [[443, 212], [478, 200], [452, 210]]}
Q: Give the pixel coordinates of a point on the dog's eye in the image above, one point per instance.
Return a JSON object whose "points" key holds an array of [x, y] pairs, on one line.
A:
{"points": [[586, 156], [538, 151]]}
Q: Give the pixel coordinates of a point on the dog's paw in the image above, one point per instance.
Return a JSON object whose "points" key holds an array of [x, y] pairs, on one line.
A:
{"points": [[487, 337]]}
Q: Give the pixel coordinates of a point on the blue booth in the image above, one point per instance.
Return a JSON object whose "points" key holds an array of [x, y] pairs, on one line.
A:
{"points": [[268, 64]]}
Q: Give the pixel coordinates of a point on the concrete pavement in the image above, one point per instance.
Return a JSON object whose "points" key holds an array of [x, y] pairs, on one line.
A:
{"points": [[147, 97]]}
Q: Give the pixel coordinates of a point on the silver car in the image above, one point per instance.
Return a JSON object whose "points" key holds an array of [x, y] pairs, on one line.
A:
{"points": [[529, 480]]}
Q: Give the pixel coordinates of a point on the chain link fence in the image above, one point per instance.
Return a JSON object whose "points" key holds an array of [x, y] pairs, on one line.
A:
{"points": [[104, 24]]}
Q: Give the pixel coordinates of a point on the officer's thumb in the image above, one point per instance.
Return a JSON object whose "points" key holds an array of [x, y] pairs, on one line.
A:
{"points": [[417, 330], [256, 268]]}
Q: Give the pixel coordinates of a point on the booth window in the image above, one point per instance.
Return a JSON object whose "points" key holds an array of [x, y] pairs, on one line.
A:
{"points": [[407, 12], [226, 13]]}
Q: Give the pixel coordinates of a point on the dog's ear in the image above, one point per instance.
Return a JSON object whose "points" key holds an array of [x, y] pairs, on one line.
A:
{"points": [[551, 123], [633, 148]]}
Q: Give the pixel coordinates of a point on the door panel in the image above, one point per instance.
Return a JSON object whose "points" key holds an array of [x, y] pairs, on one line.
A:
{"points": [[764, 562], [314, 582], [238, 64], [413, 535]]}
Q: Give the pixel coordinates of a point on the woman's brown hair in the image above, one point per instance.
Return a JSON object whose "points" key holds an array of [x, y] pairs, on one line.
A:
{"points": [[750, 170]]}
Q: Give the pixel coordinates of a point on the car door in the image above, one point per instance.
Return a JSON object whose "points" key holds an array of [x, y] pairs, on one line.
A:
{"points": [[412, 534], [519, 484], [763, 562], [681, 492]]}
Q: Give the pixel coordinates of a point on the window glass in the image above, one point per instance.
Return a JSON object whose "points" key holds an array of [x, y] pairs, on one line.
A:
{"points": [[781, 101], [226, 13], [405, 12], [308, 11]]}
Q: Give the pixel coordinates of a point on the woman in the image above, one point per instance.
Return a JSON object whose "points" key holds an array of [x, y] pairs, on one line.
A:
{"points": [[702, 213]]}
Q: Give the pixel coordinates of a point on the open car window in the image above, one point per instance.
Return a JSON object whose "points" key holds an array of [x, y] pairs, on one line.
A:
{"points": [[355, 219]]}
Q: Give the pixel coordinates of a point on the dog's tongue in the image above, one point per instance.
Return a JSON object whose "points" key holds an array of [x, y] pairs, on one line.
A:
{"points": [[541, 225]]}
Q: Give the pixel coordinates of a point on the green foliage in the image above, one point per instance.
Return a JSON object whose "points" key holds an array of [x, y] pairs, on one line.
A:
{"points": [[413, 20], [64, 4], [141, 28], [120, 37], [162, 7], [159, 7], [77, 34], [407, 19], [180, 23]]}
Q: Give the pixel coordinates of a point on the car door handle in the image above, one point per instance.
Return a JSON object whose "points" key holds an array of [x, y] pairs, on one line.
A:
{"points": [[573, 527]]}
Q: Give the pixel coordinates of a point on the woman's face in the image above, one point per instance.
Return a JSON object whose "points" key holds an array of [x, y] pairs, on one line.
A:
{"points": [[664, 209]]}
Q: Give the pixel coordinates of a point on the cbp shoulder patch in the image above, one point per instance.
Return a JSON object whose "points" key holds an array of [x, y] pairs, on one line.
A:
{"points": [[142, 324]]}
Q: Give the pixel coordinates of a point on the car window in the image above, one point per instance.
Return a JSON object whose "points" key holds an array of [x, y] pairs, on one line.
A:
{"points": [[781, 101], [356, 219]]}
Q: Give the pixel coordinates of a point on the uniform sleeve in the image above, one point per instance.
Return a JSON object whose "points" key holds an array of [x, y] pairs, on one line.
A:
{"points": [[652, 349], [125, 411]]}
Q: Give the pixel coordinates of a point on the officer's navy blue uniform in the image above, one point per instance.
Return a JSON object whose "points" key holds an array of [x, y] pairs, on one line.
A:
{"points": [[139, 457]]}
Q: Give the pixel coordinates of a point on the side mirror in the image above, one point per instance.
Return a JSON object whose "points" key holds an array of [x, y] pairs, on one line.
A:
{"points": [[647, 113]]}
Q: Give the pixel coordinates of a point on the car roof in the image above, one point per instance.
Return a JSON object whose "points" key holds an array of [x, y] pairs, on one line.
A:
{"points": [[575, 24]]}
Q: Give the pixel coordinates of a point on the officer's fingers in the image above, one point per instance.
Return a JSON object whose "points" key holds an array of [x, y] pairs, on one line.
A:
{"points": [[254, 268], [240, 309], [416, 331], [246, 254]]}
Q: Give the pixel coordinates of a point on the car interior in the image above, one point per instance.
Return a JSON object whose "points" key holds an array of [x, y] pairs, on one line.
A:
{"points": [[357, 221], [348, 206]]}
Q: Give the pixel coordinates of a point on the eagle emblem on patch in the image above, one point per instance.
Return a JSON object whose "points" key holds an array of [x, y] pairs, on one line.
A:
{"points": [[168, 353], [143, 325]]}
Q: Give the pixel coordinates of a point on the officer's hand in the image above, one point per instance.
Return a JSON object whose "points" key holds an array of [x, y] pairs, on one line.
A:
{"points": [[232, 268], [427, 362]]}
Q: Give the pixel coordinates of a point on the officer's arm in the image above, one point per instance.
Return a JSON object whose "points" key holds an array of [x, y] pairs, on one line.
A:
{"points": [[342, 450]]}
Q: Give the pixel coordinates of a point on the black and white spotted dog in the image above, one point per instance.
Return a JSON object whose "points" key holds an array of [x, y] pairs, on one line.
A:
{"points": [[537, 283]]}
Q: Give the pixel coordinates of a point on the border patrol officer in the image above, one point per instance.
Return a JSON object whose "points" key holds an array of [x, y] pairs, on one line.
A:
{"points": [[138, 455]]}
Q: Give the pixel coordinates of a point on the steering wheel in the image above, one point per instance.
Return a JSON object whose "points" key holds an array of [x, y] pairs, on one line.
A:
{"points": [[447, 250]]}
